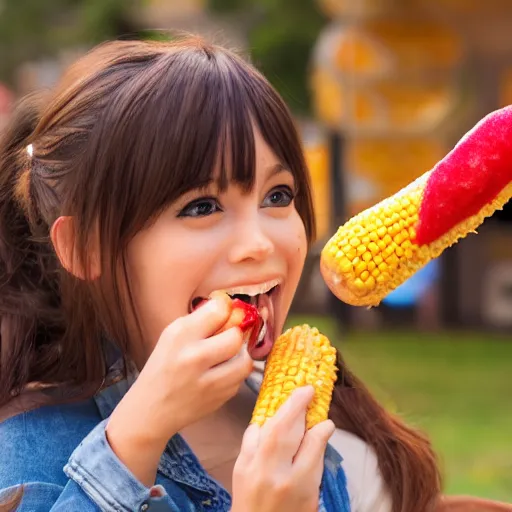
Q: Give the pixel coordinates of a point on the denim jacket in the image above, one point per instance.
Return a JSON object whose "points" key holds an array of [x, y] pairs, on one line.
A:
{"points": [[61, 455]]}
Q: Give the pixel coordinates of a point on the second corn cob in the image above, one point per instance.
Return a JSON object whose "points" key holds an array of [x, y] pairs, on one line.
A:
{"points": [[379, 249], [300, 356]]}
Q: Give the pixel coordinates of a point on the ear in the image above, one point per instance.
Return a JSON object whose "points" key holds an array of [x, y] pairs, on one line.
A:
{"points": [[63, 236]]}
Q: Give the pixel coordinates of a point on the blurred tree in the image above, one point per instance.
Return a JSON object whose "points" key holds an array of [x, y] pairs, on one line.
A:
{"points": [[31, 29], [281, 34], [281, 37]]}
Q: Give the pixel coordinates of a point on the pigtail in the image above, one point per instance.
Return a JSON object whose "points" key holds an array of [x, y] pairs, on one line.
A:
{"points": [[406, 459], [29, 301], [12, 501]]}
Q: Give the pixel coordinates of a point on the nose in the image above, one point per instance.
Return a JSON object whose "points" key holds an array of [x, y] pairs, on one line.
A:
{"points": [[250, 242]]}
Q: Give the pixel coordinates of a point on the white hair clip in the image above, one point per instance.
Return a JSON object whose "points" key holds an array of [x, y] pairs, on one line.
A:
{"points": [[30, 150]]}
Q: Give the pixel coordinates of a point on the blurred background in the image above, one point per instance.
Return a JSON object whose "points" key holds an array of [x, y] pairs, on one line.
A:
{"points": [[381, 89]]}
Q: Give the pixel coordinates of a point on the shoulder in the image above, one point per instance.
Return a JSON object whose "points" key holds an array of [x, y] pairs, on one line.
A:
{"points": [[366, 487], [36, 445]]}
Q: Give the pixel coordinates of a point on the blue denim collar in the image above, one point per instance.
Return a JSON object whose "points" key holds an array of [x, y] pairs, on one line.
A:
{"points": [[179, 462]]}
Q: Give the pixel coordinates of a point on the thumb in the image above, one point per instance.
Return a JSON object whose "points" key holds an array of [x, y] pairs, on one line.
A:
{"points": [[201, 323], [310, 456]]}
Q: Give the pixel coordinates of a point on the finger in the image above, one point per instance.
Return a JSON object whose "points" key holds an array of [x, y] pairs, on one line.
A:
{"points": [[309, 461], [249, 446], [222, 347], [283, 433], [232, 372], [235, 318], [294, 407], [201, 323]]}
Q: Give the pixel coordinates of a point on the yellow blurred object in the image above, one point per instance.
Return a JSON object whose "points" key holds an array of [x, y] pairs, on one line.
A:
{"points": [[418, 105], [374, 252], [469, 7], [317, 158], [327, 100], [178, 7], [301, 356], [357, 54], [359, 8], [389, 82], [383, 105], [394, 46], [506, 88], [392, 162]]}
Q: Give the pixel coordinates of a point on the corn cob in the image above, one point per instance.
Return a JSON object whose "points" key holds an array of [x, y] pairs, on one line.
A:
{"points": [[380, 248], [300, 356]]}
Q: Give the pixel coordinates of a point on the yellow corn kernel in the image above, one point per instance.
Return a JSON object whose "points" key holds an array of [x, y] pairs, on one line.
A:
{"points": [[360, 268], [306, 348], [392, 256]]}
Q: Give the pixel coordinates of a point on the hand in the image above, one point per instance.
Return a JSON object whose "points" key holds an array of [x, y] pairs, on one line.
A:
{"points": [[280, 465], [189, 374]]}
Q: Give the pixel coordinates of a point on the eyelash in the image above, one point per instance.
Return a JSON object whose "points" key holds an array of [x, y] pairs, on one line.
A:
{"points": [[213, 202]]}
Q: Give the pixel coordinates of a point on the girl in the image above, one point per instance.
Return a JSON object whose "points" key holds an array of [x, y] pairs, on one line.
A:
{"points": [[154, 174]]}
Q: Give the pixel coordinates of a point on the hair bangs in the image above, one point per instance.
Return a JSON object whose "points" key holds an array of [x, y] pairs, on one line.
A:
{"points": [[187, 120], [183, 129]]}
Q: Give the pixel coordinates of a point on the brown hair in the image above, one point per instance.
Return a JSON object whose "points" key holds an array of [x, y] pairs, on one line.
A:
{"points": [[129, 128], [407, 462]]}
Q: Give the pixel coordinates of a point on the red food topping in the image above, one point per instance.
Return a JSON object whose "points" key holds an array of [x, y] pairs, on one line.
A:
{"points": [[252, 316], [468, 178], [250, 324]]}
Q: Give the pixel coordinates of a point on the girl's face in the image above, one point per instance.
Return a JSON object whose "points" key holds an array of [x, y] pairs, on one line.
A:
{"points": [[247, 243]]}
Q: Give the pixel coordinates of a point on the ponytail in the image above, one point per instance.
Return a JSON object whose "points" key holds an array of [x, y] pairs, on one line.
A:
{"points": [[11, 502], [406, 460], [19, 261], [29, 301]]}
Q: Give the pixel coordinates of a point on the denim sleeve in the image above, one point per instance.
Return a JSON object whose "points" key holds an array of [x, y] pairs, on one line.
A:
{"points": [[44, 497], [101, 479]]}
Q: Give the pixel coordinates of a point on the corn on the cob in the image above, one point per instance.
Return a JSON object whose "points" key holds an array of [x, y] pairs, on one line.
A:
{"points": [[380, 248], [300, 356]]}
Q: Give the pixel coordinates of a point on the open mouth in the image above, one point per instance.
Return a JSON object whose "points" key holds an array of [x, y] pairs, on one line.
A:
{"points": [[259, 343]]}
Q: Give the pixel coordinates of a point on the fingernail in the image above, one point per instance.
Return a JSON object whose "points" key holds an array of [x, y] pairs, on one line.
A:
{"points": [[309, 389], [211, 305], [305, 390]]}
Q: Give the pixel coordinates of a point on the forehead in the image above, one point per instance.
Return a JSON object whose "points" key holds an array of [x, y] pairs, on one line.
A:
{"points": [[265, 165]]}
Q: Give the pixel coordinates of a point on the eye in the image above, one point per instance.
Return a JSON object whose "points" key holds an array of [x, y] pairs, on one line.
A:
{"points": [[279, 197], [201, 208]]}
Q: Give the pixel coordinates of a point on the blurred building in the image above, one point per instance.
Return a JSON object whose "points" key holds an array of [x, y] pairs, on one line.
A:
{"points": [[6, 101], [396, 84]]}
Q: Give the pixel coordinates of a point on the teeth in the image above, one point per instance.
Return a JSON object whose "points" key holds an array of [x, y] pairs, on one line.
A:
{"points": [[262, 332], [253, 290]]}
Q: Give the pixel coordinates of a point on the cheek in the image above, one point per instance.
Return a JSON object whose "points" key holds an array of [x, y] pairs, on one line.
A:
{"points": [[158, 281], [294, 245], [166, 266]]}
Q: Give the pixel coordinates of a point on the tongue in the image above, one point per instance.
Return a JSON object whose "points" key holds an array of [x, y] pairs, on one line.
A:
{"points": [[265, 307], [260, 350]]}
